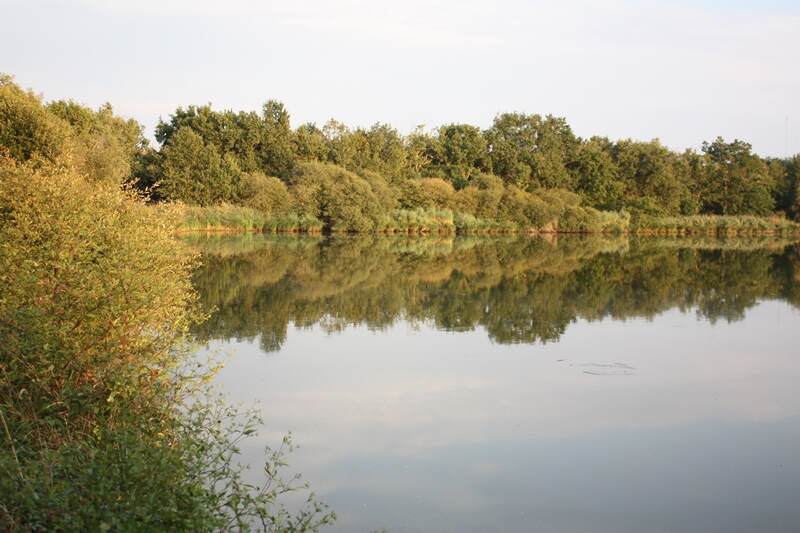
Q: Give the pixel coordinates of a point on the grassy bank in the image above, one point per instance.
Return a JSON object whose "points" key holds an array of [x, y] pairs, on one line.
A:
{"points": [[234, 218], [421, 221], [715, 226], [418, 221]]}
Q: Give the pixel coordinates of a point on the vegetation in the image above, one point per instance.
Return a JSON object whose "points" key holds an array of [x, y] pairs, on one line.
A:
{"points": [[108, 424], [721, 225], [526, 173], [106, 421]]}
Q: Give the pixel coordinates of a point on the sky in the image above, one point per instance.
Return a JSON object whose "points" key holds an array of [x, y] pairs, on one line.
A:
{"points": [[681, 71]]}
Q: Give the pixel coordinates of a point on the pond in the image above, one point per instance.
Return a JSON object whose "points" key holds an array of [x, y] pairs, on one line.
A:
{"points": [[519, 383]]}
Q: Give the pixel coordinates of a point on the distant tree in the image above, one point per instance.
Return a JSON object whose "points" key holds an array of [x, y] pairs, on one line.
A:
{"points": [[649, 173], [341, 146], [258, 142], [385, 153], [738, 181], [194, 172], [597, 175], [785, 174], [309, 143], [460, 154], [532, 151], [792, 205], [275, 151], [419, 152], [146, 172]]}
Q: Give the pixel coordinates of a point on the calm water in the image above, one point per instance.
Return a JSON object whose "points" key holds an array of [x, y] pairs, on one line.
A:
{"points": [[519, 384]]}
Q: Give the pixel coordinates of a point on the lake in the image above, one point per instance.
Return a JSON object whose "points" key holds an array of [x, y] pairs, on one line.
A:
{"points": [[518, 383]]}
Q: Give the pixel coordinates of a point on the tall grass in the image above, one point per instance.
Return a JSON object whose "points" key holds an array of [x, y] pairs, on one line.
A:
{"points": [[715, 225], [419, 220], [431, 220], [226, 217]]}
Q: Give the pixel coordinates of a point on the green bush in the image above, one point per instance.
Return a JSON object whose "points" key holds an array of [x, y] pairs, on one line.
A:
{"points": [[105, 422], [716, 225], [266, 194], [342, 200]]}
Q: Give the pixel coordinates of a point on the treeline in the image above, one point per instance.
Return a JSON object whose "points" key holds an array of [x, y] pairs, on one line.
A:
{"points": [[525, 172], [520, 289], [524, 153]]}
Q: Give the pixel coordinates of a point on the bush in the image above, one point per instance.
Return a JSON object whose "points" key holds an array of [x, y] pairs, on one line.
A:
{"points": [[266, 194], [342, 200], [104, 421]]}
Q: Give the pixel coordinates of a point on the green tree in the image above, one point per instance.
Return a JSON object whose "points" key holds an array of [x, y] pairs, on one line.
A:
{"points": [[738, 181], [419, 152], [532, 151], [460, 153], [597, 174], [275, 151], [309, 143], [649, 173], [785, 174], [194, 172]]}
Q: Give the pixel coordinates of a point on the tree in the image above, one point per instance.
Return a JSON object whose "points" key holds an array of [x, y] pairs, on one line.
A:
{"points": [[785, 174], [532, 151], [341, 148], [419, 150], [597, 174], [309, 143], [460, 153], [275, 151], [738, 181], [195, 172], [648, 171]]}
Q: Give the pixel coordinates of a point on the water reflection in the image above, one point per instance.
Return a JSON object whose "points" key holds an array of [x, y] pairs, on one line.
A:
{"points": [[521, 290], [440, 403]]}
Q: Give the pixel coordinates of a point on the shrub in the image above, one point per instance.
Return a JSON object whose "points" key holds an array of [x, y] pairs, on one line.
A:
{"points": [[104, 422], [342, 200], [266, 194]]}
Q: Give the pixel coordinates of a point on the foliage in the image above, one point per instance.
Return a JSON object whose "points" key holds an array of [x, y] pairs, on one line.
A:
{"points": [[717, 225], [28, 132], [738, 181], [98, 144], [459, 154], [105, 422], [195, 172], [104, 145], [266, 194], [342, 200], [532, 151], [503, 174]]}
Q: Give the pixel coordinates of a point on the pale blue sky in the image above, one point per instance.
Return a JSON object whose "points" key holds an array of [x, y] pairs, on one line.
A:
{"points": [[681, 71]]}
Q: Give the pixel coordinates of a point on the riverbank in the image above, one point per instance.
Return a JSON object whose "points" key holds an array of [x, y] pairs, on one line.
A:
{"points": [[235, 219]]}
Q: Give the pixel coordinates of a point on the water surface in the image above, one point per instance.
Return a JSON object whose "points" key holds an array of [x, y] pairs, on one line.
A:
{"points": [[520, 384]]}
